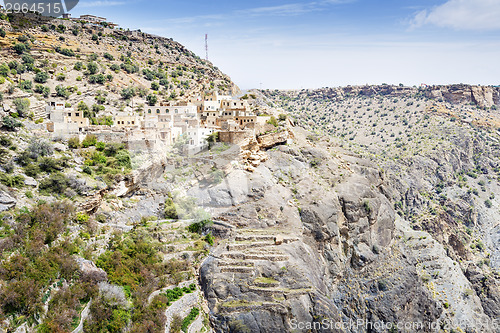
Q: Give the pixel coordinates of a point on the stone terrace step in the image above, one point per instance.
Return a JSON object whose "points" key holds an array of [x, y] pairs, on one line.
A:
{"points": [[237, 269], [269, 238], [255, 256], [239, 247], [242, 238], [233, 255], [266, 284], [270, 306], [268, 257], [266, 291], [264, 251], [236, 263]]}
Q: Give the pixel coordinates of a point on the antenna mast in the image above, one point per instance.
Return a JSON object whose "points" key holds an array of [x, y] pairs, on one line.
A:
{"points": [[206, 46]]}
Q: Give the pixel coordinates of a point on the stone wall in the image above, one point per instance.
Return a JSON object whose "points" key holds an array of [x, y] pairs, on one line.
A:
{"points": [[235, 137]]}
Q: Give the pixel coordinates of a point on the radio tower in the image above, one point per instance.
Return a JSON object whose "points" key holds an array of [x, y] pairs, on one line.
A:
{"points": [[206, 46]]}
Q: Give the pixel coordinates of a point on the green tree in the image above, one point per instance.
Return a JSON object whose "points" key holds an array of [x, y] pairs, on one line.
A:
{"points": [[22, 106], [61, 91], [4, 70], [10, 123], [20, 48], [41, 77], [92, 68], [128, 93], [151, 99]]}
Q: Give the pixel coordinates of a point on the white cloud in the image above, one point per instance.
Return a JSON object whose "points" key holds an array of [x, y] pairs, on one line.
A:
{"points": [[462, 15], [103, 3]]}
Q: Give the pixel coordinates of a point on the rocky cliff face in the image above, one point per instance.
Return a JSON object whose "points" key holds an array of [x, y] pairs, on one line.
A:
{"points": [[483, 96], [316, 243]]}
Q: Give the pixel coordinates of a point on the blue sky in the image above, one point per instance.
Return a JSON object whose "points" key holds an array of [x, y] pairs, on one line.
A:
{"points": [[289, 44]]}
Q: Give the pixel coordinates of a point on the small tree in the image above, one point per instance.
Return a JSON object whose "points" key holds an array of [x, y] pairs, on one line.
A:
{"points": [[211, 139], [22, 106], [20, 48], [92, 68], [41, 77], [128, 93], [74, 142], [273, 121], [151, 99], [90, 140], [10, 123]]}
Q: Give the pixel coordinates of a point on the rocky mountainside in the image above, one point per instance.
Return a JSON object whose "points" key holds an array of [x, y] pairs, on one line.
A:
{"points": [[299, 229], [115, 70], [359, 209]]}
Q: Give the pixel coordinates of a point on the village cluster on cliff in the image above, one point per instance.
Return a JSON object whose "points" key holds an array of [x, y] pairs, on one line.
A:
{"points": [[193, 119]]}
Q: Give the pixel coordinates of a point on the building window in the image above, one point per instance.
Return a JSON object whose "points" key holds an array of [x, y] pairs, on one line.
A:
{"points": [[133, 122], [157, 110], [149, 111], [69, 114], [77, 114], [176, 111]]}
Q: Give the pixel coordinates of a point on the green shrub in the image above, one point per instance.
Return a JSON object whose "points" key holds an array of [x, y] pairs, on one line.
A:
{"points": [[198, 227], [5, 141], [32, 170], [57, 183], [10, 123], [62, 91], [210, 239], [66, 52], [151, 100], [20, 48], [39, 148], [22, 106], [12, 181], [92, 68], [97, 78], [82, 217], [49, 165], [123, 158], [367, 207], [41, 77], [86, 169], [40, 89], [273, 121], [90, 140], [189, 319], [74, 142]]}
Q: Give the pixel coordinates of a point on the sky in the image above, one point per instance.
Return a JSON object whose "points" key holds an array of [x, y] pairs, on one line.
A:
{"points": [[287, 44]]}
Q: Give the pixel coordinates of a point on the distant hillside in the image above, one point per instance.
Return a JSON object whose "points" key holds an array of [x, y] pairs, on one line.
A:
{"points": [[77, 61]]}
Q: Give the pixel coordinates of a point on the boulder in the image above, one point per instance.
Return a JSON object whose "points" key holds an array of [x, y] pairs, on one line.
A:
{"points": [[273, 139], [28, 181], [6, 201], [60, 147]]}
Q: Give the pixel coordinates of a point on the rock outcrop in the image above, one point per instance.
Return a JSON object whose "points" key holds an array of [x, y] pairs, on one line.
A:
{"points": [[6, 201], [320, 242]]}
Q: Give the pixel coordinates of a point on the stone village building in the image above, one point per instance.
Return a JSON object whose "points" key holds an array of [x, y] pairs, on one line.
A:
{"points": [[194, 119]]}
